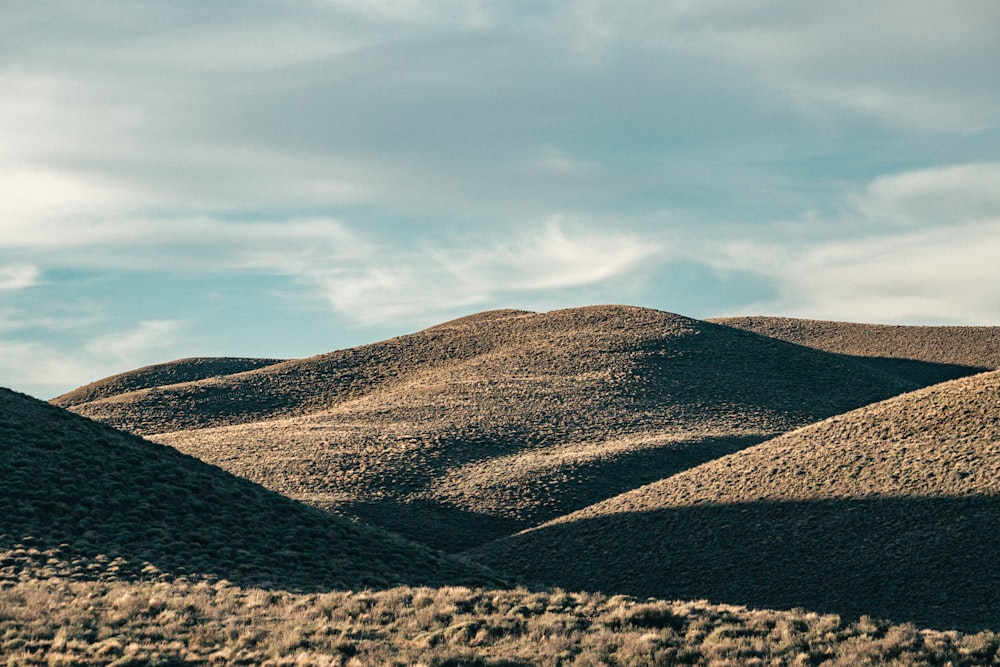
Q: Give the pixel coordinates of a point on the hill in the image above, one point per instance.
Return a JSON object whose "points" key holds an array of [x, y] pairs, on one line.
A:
{"points": [[485, 425], [174, 372], [85, 501], [889, 510], [923, 354]]}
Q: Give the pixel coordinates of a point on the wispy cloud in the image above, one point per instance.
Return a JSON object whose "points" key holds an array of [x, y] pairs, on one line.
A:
{"points": [[935, 196], [927, 252], [560, 255], [132, 347], [19, 276]]}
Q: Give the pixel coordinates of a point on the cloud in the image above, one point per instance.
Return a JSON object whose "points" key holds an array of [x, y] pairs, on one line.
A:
{"points": [[936, 196], [135, 346], [432, 281], [926, 253], [18, 276], [44, 370], [202, 244]]}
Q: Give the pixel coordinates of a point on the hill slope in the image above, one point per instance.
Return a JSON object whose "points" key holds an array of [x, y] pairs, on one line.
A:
{"points": [[83, 500], [923, 354], [889, 510], [498, 421], [174, 372]]}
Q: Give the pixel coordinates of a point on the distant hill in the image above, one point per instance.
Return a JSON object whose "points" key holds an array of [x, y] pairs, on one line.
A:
{"points": [[922, 354], [482, 426], [82, 500], [174, 372], [890, 510]]}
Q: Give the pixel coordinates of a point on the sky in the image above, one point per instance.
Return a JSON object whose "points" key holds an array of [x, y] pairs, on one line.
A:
{"points": [[282, 179]]}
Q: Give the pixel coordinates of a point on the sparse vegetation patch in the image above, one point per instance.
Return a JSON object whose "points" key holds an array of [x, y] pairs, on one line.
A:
{"points": [[60, 622]]}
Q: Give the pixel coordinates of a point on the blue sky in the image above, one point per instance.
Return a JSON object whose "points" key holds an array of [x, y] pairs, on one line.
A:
{"points": [[287, 178]]}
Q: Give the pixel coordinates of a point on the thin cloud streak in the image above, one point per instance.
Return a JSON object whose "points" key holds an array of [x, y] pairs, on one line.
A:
{"points": [[559, 256], [927, 253], [19, 276]]}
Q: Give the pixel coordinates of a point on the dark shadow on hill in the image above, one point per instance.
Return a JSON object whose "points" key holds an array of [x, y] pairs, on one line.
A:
{"points": [[440, 526], [731, 371], [920, 373], [105, 495], [555, 491], [932, 561]]}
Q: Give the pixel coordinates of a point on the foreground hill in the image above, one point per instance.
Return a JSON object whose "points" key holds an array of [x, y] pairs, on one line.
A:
{"points": [[486, 425], [923, 354], [890, 510], [174, 372], [81, 500]]}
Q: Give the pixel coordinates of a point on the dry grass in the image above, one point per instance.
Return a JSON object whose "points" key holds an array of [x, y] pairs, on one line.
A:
{"points": [[158, 375], [890, 510], [486, 425], [99, 503], [483, 426], [59, 622], [924, 354]]}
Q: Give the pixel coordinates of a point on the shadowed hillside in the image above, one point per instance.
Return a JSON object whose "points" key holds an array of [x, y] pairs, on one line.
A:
{"points": [[174, 372], [923, 354], [890, 510], [485, 425], [82, 500]]}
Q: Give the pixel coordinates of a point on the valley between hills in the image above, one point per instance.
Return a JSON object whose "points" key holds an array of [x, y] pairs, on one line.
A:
{"points": [[601, 485]]}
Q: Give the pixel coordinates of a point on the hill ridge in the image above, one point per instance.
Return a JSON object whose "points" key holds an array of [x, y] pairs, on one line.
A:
{"points": [[574, 404]]}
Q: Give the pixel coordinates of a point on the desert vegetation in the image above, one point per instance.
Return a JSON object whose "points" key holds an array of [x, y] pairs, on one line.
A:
{"points": [[594, 486], [112, 623], [923, 354], [158, 375], [113, 505], [844, 515], [476, 428]]}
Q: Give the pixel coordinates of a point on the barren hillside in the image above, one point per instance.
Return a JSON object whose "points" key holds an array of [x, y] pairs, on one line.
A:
{"points": [[488, 424], [924, 354], [84, 501], [889, 510], [174, 372]]}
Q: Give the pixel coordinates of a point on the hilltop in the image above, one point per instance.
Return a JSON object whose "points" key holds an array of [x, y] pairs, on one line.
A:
{"points": [[888, 510], [485, 425], [84, 501], [174, 372]]}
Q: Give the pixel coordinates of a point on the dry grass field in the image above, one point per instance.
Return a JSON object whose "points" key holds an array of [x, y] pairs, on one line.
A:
{"points": [[663, 490], [59, 622], [486, 425]]}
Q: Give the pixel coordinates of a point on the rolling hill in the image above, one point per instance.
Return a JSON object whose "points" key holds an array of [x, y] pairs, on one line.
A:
{"points": [[923, 354], [485, 425], [84, 501], [174, 372], [889, 510]]}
